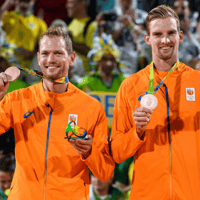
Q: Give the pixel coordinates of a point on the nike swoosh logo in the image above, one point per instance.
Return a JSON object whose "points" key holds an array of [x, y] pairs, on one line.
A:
{"points": [[28, 113]]}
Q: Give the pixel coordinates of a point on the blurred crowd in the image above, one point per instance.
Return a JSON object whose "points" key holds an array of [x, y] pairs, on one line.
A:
{"points": [[108, 38]]}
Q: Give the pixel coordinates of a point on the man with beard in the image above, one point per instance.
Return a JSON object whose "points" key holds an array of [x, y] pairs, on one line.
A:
{"points": [[22, 29], [50, 165], [157, 117]]}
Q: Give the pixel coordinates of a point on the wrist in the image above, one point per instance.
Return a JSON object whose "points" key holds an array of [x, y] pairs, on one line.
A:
{"points": [[85, 156], [139, 133]]}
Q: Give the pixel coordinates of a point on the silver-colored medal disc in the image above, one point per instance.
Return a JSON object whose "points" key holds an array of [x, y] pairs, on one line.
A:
{"points": [[149, 101]]}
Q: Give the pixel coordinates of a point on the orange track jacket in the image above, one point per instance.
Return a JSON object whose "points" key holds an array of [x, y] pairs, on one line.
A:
{"points": [[167, 160], [47, 166]]}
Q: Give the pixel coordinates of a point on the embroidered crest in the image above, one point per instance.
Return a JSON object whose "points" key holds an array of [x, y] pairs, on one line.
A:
{"points": [[190, 94]]}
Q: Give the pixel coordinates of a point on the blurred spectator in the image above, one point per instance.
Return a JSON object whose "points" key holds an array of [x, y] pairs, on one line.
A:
{"points": [[122, 175], [149, 5], [81, 29], [104, 190], [126, 25], [22, 29], [182, 8], [105, 55], [7, 167], [76, 71], [59, 23], [50, 10], [104, 83], [7, 49], [189, 48], [197, 66]]}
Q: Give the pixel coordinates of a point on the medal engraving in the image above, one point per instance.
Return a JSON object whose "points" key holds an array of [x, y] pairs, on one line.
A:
{"points": [[149, 101]]}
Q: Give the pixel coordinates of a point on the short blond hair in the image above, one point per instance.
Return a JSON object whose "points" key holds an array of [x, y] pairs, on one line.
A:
{"points": [[58, 32]]}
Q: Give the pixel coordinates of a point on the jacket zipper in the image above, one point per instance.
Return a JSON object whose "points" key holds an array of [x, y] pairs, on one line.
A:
{"points": [[46, 152], [169, 138]]}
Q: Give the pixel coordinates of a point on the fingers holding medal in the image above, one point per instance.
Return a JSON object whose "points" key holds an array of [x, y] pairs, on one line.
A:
{"points": [[142, 117]]}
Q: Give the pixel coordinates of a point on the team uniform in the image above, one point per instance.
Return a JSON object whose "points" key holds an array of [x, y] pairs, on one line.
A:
{"points": [[47, 166], [76, 29], [23, 31], [167, 160]]}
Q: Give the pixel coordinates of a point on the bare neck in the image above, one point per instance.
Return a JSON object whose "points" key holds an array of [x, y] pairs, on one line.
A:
{"points": [[54, 87], [164, 65]]}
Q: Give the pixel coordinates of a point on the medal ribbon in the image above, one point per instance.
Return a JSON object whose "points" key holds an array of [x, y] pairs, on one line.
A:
{"points": [[175, 66], [151, 80], [39, 74]]}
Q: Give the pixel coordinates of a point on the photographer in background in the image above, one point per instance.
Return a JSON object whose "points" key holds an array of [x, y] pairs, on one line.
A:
{"points": [[182, 8], [126, 24], [189, 48]]}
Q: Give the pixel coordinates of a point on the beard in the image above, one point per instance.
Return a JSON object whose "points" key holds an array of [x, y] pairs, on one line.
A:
{"points": [[165, 56]]}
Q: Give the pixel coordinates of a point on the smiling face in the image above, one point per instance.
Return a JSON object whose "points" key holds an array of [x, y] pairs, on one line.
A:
{"points": [[164, 38], [53, 57]]}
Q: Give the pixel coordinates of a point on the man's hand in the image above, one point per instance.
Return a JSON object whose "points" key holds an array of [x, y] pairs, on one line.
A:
{"points": [[100, 19], [83, 147], [131, 13], [125, 20], [3, 84], [128, 18], [141, 117]]}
